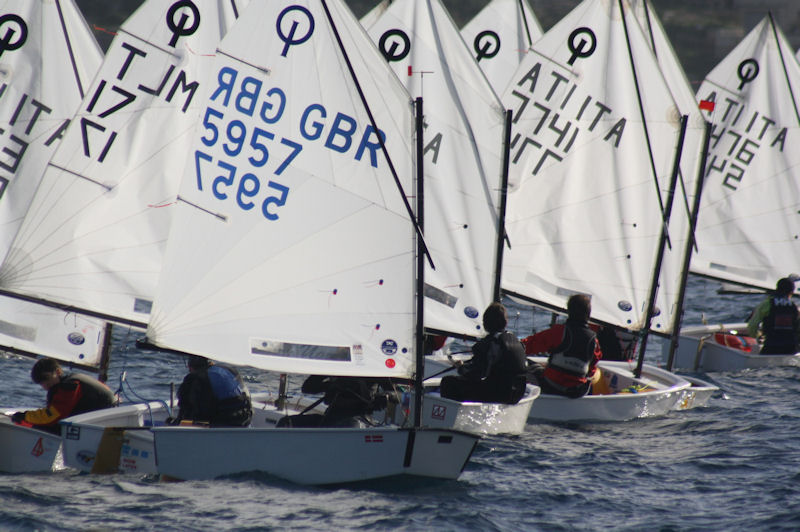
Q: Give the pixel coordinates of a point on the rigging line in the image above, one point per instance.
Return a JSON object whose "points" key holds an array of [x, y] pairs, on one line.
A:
{"points": [[687, 256], [651, 301], [207, 211], [521, 4], [69, 48], [235, 9], [76, 174], [380, 137], [646, 5], [644, 118], [502, 234], [783, 64]]}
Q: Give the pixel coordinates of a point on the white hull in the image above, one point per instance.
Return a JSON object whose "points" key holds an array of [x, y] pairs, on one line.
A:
{"points": [[118, 440], [662, 392], [113, 440], [698, 351], [312, 456], [475, 418], [696, 395], [26, 450]]}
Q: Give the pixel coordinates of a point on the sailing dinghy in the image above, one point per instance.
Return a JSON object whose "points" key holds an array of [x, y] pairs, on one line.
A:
{"points": [[500, 36], [595, 141], [94, 237], [746, 229], [48, 60], [463, 183], [294, 247]]}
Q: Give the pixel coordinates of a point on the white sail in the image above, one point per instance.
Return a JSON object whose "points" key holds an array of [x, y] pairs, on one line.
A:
{"points": [[48, 60], [49, 57], [94, 235], [375, 13], [690, 160], [499, 36], [593, 142], [747, 229], [463, 139], [293, 249]]}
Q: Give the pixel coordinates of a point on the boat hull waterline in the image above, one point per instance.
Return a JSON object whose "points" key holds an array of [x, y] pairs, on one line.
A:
{"points": [[699, 351], [312, 456]]}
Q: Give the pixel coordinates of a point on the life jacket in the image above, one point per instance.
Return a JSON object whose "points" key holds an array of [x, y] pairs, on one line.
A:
{"points": [[232, 405], [94, 394], [780, 325], [575, 354], [570, 362], [743, 343]]}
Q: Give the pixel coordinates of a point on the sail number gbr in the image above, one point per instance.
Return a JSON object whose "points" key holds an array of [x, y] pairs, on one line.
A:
{"points": [[225, 181], [240, 129]]}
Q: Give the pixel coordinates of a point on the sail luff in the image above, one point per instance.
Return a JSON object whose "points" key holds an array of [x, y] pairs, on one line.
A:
{"points": [[783, 65]]}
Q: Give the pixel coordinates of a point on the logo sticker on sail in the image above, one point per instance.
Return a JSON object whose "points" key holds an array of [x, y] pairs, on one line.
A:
{"points": [[389, 347], [471, 312], [76, 338], [625, 306]]}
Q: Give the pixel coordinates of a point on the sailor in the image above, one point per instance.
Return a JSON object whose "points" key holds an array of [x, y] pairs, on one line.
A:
{"points": [[350, 401], [496, 371], [779, 320], [67, 395], [573, 352], [213, 394]]}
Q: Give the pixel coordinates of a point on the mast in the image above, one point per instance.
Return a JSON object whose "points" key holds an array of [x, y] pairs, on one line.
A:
{"points": [[420, 301], [502, 236], [661, 249], [687, 256]]}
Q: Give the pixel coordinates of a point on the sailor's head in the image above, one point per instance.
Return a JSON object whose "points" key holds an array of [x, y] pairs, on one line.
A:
{"points": [[785, 287], [579, 307], [197, 363], [495, 318], [46, 372]]}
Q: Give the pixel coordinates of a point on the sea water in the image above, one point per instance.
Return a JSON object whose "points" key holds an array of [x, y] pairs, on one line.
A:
{"points": [[732, 465]]}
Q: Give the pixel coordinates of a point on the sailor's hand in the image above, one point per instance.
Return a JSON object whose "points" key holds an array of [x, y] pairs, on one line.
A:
{"points": [[18, 417]]}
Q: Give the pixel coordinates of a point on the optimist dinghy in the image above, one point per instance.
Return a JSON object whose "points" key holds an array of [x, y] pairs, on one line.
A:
{"points": [[619, 396], [744, 230], [26, 450], [723, 347], [48, 60], [310, 261], [463, 178]]}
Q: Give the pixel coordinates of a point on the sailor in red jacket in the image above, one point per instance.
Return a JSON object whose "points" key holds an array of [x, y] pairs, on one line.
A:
{"points": [[67, 395], [574, 352]]}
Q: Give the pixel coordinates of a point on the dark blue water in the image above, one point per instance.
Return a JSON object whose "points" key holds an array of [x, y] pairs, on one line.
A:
{"points": [[730, 466]]}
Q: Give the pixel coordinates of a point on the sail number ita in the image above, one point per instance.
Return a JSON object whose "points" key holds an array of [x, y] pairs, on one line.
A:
{"points": [[241, 133]]}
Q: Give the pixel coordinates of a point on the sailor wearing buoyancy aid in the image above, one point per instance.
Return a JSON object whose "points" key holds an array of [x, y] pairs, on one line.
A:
{"points": [[67, 395], [780, 321], [573, 359], [213, 394]]}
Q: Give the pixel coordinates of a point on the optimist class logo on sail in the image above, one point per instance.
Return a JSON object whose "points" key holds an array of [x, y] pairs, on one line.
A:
{"points": [[254, 132]]}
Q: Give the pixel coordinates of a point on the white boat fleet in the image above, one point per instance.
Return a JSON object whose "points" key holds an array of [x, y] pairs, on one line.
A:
{"points": [[316, 197]]}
